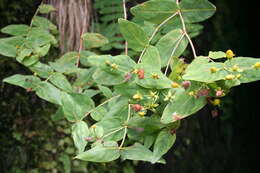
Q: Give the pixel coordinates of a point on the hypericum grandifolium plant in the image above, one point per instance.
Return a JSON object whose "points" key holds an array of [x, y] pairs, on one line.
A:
{"points": [[139, 103]]}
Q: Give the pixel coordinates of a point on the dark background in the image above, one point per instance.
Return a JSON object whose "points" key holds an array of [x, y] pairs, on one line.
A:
{"points": [[225, 144]]}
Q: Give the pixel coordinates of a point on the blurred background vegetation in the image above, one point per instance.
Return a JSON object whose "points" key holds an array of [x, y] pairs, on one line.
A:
{"points": [[33, 141]]}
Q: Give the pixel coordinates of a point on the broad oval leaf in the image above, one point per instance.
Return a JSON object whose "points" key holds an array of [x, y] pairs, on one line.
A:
{"points": [[169, 43], [182, 106], [48, 92], [134, 34], [200, 70], [79, 134], [106, 152], [7, 50], [94, 40], [137, 152], [163, 144], [152, 57], [155, 11], [46, 8], [60, 81], [75, 106], [16, 30], [196, 10], [24, 81]]}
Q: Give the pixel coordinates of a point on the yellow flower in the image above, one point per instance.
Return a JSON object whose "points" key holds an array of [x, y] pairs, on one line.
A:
{"points": [[213, 69], [256, 65], [235, 68], [142, 113], [138, 97], [238, 76], [229, 54], [155, 76], [175, 85], [216, 102], [230, 77], [192, 93], [114, 66]]}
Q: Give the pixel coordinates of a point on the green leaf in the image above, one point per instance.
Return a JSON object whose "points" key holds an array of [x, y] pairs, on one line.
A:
{"points": [[155, 11], [49, 93], [162, 82], [60, 81], [167, 44], [38, 37], [106, 91], [105, 78], [178, 66], [148, 141], [79, 133], [84, 57], [66, 64], [98, 113], [43, 50], [200, 70], [42, 70], [84, 79], [24, 81], [182, 106], [217, 54], [16, 41], [65, 159], [59, 115], [246, 64], [16, 30], [133, 34], [91, 92], [45, 24], [152, 57], [46, 8], [196, 10], [75, 106], [137, 152], [163, 143], [94, 40], [106, 152], [7, 50]]}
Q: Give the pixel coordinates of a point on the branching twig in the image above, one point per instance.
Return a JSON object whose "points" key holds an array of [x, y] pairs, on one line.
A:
{"points": [[173, 51], [154, 33], [126, 126], [125, 17], [186, 35]]}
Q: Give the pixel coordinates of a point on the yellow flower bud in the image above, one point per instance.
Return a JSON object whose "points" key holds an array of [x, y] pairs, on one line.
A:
{"points": [[235, 68], [229, 77], [192, 93], [142, 113], [213, 69], [175, 85], [107, 62], [94, 126], [135, 71], [114, 66], [229, 54], [138, 97], [256, 65], [155, 76], [238, 76], [216, 102]]}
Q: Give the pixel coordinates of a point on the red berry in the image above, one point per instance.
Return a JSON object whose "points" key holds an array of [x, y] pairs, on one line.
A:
{"points": [[140, 73], [219, 93], [203, 92], [186, 84], [137, 107]]}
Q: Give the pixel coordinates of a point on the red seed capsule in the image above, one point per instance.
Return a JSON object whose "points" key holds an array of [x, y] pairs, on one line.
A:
{"points": [[186, 84], [140, 73], [203, 92], [219, 93], [137, 107]]}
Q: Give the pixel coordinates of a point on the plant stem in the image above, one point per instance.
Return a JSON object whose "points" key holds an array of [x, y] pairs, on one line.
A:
{"points": [[101, 105], [113, 132], [154, 33], [173, 51], [126, 126], [125, 17], [187, 35]]}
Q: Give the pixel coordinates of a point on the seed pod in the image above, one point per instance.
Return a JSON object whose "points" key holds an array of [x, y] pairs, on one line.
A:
{"points": [[140, 73], [128, 76], [186, 84], [203, 92], [219, 93], [137, 107]]}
